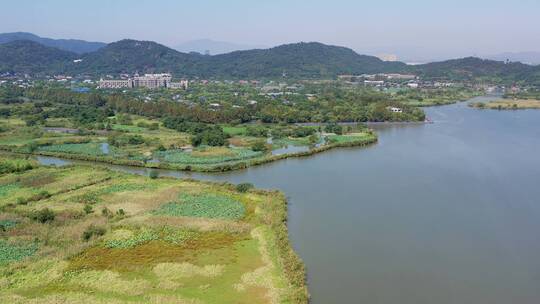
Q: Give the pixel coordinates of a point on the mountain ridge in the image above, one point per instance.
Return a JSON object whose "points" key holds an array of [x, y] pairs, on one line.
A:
{"points": [[72, 45], [309, 60]]}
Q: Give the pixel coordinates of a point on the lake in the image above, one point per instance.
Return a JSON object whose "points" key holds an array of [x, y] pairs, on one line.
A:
{"points": [[438, 213]]}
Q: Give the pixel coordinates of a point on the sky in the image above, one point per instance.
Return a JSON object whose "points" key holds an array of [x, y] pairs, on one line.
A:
{"points": [[415, 30]]}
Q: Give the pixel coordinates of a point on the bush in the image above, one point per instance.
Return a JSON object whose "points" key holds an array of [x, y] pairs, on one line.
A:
{"points": [[153, 126], [92, 231], [106, 212], [154, 174], [120, 212], [334, 128], [244, 187], [212, 136], [15, 165], [44, 215], [303, 131], [259, 146], [88, 209], [257, 131]]}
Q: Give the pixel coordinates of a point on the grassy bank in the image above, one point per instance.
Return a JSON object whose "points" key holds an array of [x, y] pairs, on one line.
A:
{"points": [[232, 163], [508, 104], [81, 234]]}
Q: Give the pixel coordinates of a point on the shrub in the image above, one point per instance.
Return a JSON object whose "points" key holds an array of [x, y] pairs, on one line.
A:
{"points": [[44, 215], [92, 231], [244, 187], [120, 212], [259, 146], [106, 212], [154, 174], [15, 165], [88, 209], [257, 131], [334, 128]]}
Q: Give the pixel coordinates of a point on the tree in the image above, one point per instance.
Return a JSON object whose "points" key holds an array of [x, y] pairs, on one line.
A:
{"points": [[259, 146]]}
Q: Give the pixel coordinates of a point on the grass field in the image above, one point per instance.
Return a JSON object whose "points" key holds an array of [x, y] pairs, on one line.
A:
{"points": [[99, 236], [207, 155], [348, 138], [508, 104]]}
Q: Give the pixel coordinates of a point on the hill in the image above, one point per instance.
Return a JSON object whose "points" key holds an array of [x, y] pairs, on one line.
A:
{"points": [[524, 57], [472, 68], [71, 45], [130, 56], [299, 60], [23, 56], [213, 47]]}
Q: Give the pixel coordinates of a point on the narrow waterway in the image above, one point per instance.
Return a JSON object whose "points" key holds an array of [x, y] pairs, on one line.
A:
{"points": [[440, 213]]}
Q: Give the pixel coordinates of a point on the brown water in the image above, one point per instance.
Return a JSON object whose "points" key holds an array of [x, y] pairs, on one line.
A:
{"points": [[440, 213]]}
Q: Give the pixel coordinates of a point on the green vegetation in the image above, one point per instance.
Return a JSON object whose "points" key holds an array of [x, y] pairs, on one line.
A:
{"points": [[508, 104], [347, 138], [104, 127], [436, 97], [92, 149], [7, 224], [184, 241], [15, 252], [206, 155], [207, 206]]}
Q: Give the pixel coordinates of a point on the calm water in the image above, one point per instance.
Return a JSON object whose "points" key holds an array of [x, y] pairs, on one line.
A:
{"points": [[440, 213]]}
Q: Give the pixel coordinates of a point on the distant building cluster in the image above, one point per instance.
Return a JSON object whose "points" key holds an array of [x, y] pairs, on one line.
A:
{"points": [[149, 81]]}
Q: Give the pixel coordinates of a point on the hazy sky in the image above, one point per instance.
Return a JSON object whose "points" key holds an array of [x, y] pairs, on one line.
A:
{"points": [[413, 29]]}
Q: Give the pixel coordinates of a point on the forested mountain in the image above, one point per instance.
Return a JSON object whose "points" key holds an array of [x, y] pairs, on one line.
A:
{"points": [[130, 56], [71, 45], [23, 56], [475, 68], [300, 60]]}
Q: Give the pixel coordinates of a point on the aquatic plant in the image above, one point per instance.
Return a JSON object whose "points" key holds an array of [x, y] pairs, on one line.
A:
{"points": [[10, 252], [204, 205], [181, 157]]}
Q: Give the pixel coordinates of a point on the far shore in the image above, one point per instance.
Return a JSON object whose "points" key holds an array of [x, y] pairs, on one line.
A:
{"points": [[507, 104]]}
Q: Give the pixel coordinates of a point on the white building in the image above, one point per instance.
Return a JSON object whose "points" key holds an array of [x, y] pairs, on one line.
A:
{"points": [[182, 84], [149, 81], [395, 110], [115, 84]]}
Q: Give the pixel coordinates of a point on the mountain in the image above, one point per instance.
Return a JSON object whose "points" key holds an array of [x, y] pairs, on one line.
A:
{"points": [[298, 60], [213, 47], [471, 68], [71, 45], [24, 56], [130, 56], [524, 57], [310, 60]]}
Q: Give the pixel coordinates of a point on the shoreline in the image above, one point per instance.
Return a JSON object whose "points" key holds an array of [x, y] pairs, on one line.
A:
{"points": [[221, 167]]}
